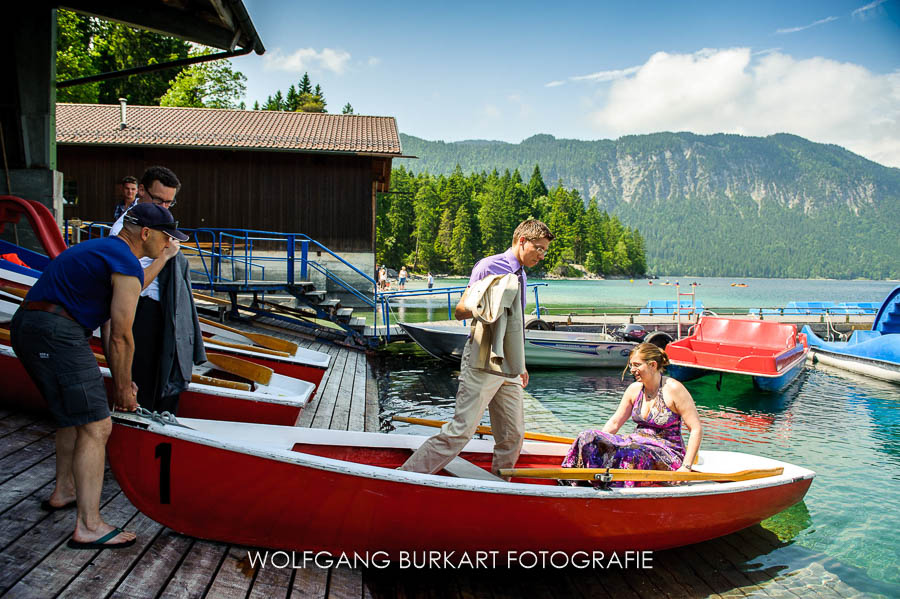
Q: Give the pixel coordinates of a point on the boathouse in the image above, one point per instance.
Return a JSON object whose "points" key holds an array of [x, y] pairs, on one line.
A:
{"points": [[292, 172]]}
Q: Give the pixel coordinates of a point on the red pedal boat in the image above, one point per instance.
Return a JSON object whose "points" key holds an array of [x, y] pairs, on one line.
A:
{"points": [[772, 353], [337, 491]]}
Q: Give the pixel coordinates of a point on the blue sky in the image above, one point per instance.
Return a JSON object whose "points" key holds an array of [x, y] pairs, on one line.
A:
{"points": [[825, 70]]}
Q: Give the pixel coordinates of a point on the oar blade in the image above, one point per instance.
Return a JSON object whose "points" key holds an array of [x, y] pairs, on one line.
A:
{"points": [[249, 370], [485, 430]]}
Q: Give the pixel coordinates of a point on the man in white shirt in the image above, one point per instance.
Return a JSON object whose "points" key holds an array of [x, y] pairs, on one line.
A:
{"points": [[158, 185]]}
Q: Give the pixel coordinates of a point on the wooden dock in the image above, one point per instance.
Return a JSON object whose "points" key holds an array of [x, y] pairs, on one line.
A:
{"points": [[35, 562]]}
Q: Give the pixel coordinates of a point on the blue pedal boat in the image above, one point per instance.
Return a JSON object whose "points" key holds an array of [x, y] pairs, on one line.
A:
{"points": [[874, 353]]}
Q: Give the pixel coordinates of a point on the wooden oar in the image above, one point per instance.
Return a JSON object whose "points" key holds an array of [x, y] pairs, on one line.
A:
{"points": [[4, 334], [208, 380], [17, 291], [244, 368], [211, 299], [258, 338], [485, 430], [637, 475], [261, 350], [200, 379]]}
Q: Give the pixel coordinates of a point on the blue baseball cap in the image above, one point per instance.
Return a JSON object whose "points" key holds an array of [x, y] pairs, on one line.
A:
{"points": [[153, 216]]}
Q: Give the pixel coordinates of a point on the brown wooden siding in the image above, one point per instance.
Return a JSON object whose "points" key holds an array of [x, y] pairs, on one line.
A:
{"points": [[328, 197]]}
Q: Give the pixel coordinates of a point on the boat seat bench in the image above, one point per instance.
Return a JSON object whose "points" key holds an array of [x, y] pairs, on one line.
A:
{"points": [[465, 469]]}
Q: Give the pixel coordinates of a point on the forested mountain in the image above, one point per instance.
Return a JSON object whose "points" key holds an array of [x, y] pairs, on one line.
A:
{"points": [[445, 224], [715, 205]]}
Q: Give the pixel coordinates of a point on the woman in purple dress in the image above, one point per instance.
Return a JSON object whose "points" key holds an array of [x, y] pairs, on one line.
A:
{"points": [[658, 405]]}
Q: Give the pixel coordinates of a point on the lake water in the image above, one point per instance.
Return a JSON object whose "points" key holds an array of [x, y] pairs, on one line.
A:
{"points": [[716, 294], [846, 428]]}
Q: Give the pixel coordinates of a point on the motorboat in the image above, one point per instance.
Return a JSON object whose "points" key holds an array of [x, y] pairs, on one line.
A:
{"points": [[315, 490], [874, 353], [543, 349], [772, 353]]}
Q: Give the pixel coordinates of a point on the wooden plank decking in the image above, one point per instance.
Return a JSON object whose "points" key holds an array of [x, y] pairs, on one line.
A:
{"points": [[34, 561]]}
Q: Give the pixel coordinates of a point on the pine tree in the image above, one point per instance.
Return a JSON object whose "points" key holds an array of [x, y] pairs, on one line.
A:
{"points": [[347, 109], [536, 187], [305, 85], [292, 99], [462, 257]]}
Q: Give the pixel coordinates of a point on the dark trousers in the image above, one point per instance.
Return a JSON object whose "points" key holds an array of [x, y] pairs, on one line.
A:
{"points": [[147, 331]]}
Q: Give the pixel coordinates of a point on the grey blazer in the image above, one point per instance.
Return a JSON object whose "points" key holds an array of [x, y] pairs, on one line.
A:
{"points": [[182, 340]]}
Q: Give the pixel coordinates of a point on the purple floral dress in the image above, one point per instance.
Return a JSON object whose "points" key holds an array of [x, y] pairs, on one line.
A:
{"points": [[656, 443]]}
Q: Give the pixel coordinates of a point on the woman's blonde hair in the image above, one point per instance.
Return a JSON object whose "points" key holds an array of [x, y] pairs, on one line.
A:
{"points": [[648, 353]]}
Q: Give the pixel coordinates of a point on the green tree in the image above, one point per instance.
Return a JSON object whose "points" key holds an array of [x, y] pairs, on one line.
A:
{"points": [[493, 219], [119, 47], [206, 85], [347, 109], [305, 85], [427, 223], [74, 58], [292, 98], [89, 46], [443, 242], [536, 187], [462, 255]]}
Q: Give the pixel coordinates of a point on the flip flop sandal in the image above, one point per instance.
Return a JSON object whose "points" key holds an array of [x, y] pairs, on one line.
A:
{"points": [[49, 507], [101, 543]]}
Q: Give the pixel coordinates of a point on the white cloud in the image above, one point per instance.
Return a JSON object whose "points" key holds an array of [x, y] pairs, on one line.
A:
{"points": [[802, 27], [492, 111], [732, 91], [523, 107], [606, 75], [307, 59], [374, 61], [862, 10], [555, 83]]}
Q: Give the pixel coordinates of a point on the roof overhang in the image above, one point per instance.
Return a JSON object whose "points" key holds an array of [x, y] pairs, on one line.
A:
{"points": [[221, 24]]}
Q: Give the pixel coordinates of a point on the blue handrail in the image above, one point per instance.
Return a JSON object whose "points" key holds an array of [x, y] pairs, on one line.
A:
{"points": [[385, 297]]}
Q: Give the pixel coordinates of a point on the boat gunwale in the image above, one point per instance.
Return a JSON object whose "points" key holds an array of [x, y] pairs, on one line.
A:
{"points": [[185, 433]]}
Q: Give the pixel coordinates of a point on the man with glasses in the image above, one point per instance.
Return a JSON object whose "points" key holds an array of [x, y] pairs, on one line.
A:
{"points": [[167, 335], [481, 387]]}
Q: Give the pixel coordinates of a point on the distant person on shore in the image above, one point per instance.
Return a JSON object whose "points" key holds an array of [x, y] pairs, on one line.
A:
{"points": [[403, 275], [658, 405], [430, 280], [382, 278], [129, 189], [486, 379]]}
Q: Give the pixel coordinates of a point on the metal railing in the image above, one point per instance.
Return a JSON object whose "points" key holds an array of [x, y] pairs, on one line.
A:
{"points": [[384, 298]]}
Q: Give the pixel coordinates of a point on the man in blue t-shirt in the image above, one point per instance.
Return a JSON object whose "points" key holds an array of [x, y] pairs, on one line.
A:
{"points": [[86, 286]]}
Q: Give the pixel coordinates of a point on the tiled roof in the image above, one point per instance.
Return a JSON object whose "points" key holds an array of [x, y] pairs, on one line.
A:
{"points": [[98, 124]]}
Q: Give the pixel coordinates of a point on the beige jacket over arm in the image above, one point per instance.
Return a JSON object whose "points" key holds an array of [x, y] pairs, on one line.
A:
{"points": [[498, 342]]}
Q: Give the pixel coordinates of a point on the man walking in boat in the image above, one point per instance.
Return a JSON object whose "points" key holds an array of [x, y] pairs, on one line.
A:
{"points": [[168, 339], [492, 373], [50, 334]]}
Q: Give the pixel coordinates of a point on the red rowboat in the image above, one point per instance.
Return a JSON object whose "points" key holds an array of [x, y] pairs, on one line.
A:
{"points": [[770, 352], [278, 402], [337, 491], [299, 363]]}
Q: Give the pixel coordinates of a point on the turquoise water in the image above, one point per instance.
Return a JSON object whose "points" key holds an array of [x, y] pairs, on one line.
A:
{"points": [[716, 294], [845, 427]]}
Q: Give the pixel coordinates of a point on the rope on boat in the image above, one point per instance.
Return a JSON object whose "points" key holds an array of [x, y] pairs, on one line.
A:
{"points": [[164, 418]]}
